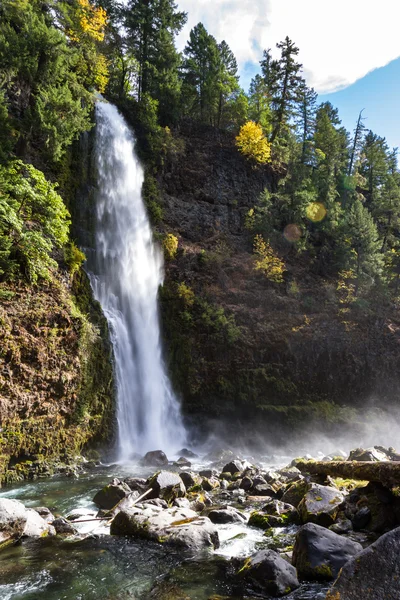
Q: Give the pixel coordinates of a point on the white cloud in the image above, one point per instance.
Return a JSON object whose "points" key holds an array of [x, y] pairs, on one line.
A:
{"points": [[339, 41]]}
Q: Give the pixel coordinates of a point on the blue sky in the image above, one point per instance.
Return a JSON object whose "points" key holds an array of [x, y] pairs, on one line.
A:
{"points": [[379, 94], [350, 49]]}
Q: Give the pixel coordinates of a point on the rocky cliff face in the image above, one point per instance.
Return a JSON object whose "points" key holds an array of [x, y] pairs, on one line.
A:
{"points": [[238, 345]]}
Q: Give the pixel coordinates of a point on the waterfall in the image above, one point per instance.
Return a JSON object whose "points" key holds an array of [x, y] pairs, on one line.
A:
{"points": [[125, 273]]}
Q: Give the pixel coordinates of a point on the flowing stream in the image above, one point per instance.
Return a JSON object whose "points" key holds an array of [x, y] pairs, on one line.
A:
{"points": [[126, 273]]}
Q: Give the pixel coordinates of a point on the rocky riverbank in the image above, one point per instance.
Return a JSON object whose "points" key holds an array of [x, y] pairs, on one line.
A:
{"points": [[301, 529]]}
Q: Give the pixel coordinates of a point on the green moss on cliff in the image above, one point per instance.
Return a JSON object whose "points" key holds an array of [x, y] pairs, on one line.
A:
{"points": [[56, 379]]}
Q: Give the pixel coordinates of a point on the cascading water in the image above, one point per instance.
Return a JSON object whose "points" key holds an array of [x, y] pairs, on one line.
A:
{"points": [[126, 273]]}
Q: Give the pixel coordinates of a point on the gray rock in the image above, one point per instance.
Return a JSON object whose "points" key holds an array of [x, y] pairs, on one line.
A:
{"points": [[156, 502], [228, 514], [320, 505], [361, 518], [374, 574], [182, 503], [235, 466], [64, 527], [319, 553], [246, 483], [155, 458], [290, 474], [210, 484], [208, 473], [280, 513], [342, 526], [190, 479], [176, 526], [263, 489], [136, 484], [296, 492], [45, 513], [368, 454], [17, 521], [267, 572], [166, 485], [111, 494], [182, 462]]}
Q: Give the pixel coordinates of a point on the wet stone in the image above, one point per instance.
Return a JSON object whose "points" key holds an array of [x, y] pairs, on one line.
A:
{"points": [[319, 553], [155, 458]]}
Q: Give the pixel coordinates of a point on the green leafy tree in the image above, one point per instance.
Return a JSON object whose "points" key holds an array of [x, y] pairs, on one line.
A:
{"points": [[33, 220]]}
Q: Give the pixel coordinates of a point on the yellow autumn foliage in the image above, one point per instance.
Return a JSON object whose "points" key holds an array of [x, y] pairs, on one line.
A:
{"points": [[92, 20], [252, 143], [267, 262], [170, 244]]}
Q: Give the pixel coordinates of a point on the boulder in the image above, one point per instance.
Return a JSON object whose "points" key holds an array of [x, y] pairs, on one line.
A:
{"points": [[274, 514], [320, 505], [342, 526], [234, 466], [319, 553], [264, 489], [227, 514], [155, 458], [136, 484], [17, 521], [45, 513], [367, 455], [290, 474], [208, 473], [374, 574], [295, 492], [167, 486], [190, 479], [210, 484], [182, 462], [175, 526], [246, 483], [111, 494], [64, 527], [266, 572], [280, 513], [156, 502]]}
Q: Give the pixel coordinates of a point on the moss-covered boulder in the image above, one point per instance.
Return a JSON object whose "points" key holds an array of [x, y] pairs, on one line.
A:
{"points": [[267, 573], [320, 505], [295, 492], [319, 553], [373, 574]]}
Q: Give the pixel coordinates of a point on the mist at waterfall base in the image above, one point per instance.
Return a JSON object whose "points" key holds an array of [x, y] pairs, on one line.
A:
{"points": [[126, 272]]}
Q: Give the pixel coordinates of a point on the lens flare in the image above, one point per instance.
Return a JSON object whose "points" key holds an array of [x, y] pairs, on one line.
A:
{"points": [[316, 212], [292, 232]]}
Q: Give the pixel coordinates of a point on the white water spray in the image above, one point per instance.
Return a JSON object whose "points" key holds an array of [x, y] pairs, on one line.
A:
{"points": [[125, 278]]}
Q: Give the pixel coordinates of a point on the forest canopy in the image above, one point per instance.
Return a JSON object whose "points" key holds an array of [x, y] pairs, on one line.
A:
{"points": [[340, 189]]}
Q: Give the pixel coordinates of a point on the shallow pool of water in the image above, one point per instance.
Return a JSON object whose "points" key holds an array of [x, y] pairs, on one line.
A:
{"points": [[104, 567]]}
